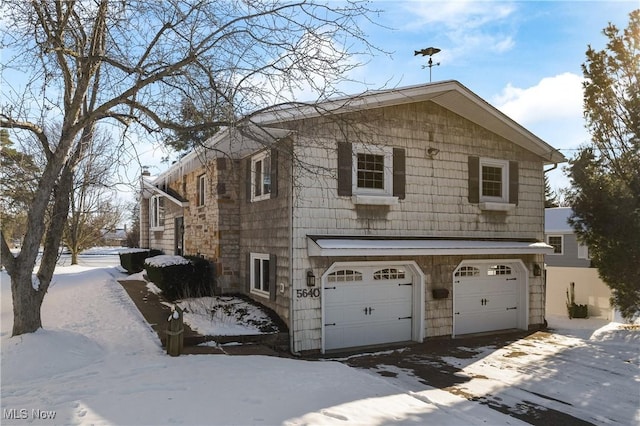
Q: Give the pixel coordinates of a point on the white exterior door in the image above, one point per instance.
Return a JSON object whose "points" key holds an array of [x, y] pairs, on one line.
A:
{"points": [[367, 305], [487, 297]]}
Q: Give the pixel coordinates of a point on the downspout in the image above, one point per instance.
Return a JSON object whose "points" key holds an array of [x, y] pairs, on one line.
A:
{"points": [[291, 260], [544, 268]]}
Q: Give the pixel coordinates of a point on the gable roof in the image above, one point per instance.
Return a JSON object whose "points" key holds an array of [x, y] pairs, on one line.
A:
{"points": [[556, 220], [450, 94]]}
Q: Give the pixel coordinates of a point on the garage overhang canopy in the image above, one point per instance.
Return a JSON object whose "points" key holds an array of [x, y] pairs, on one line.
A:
{"points": [[326, 246]]}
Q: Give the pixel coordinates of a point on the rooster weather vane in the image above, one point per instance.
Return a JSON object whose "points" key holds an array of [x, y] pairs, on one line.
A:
{"points": [[429, 51]]}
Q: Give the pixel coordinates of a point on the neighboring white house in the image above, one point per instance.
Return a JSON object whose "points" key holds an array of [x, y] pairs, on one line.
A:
{"points": [[569, 263]]}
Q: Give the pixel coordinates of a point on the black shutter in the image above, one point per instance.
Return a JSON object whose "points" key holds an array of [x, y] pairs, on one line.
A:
{"points": [[474, 179], [247, 279], [514, 182], [247, 184], [399, 176], [345, 161], [274, 173], [273, 285]]}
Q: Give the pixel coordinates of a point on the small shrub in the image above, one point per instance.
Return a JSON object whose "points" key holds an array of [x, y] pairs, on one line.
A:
{"points": [[171, 279], [133, 262], [179, 281], [574, 310], [203, 279]]}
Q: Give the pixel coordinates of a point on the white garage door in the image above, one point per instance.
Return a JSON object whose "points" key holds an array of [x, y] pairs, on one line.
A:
{"points": [[486, 297], [367, 306]]}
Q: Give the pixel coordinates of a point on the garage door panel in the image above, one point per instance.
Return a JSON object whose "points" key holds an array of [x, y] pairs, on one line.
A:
{"points": [[491, 321], [368, 333], [368, 311], [488, 300]]}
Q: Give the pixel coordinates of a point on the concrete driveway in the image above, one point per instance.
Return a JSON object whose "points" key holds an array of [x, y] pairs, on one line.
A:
{"points": [[577, 373]]}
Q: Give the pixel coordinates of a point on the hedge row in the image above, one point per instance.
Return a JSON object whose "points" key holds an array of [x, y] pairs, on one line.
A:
{"points": [[194, 279], [133, 262]]}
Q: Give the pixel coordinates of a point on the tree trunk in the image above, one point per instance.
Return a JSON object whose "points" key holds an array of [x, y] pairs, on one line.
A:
{"points": [[74, 256], [27, 300], [26, 303]]}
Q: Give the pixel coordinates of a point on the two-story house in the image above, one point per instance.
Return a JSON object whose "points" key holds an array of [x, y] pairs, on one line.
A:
{"points": [[390, 216], [570, 263]]}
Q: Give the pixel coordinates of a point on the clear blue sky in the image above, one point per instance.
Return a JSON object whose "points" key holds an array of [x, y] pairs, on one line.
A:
{"points": [[522, 57]]}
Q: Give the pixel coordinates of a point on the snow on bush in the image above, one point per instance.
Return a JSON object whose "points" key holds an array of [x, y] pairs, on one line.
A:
{"points": [[166, 260]]}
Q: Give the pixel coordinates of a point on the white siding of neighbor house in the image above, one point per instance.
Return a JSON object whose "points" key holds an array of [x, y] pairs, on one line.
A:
{"points": [[436, 203]]}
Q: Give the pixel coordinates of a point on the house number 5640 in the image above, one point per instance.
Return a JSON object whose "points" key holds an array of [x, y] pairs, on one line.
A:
{"points": [[308, 292]]}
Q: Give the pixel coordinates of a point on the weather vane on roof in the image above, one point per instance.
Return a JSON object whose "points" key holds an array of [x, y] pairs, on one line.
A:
{"points": [[429, 51]]}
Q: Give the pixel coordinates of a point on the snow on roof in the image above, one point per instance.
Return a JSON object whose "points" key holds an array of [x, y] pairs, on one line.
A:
{"points": [[556, 220]]}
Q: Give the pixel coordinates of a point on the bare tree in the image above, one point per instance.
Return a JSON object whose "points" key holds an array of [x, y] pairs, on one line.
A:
{"points": [[129, 64], [92, 209]]}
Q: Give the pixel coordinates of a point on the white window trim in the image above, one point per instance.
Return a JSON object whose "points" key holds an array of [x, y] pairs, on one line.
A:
{"points": [[561, 244], [261, 257], [153, 207], [583, 251], [504, 165], [202, 190], [387, 152], [256, 158]]}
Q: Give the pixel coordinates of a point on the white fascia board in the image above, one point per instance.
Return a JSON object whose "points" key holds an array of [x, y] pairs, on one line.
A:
{"points": [[340, 247], [148, 187]]}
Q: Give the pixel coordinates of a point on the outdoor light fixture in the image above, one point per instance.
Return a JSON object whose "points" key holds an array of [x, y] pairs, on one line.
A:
{"points": [[537, 270], [311, 279], [432, 152]]}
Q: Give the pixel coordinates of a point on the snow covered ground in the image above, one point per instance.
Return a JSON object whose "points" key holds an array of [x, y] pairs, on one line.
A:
{"points": [[98, 362]]}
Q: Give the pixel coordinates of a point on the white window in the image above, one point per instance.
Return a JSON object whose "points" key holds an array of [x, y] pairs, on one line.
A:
{"points": [[260, 274], [583, 251], [344, 275], [389, 274], [156, 212], [494, 270], [556, 241], [467, 271], [202, 186], [494, 181], [372, 170], [261, 177]]}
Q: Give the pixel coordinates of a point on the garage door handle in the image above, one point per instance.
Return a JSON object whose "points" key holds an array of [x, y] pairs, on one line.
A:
{"points": [[401, 318], [406, 284], [511, 279], [329, 288], [327, 325], [511, 308]]}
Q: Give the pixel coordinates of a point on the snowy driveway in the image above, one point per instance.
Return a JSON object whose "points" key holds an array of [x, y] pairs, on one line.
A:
{"points": [[98, 362], [583, 372]]}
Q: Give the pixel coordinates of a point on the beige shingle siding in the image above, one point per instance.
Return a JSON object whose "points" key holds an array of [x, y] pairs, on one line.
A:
{"points": [[265, 228], [436, 189], [436, 204]]}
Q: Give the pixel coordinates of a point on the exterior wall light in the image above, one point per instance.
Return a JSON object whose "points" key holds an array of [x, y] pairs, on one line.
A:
{"points": [[537, 270], [311, 279]]}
